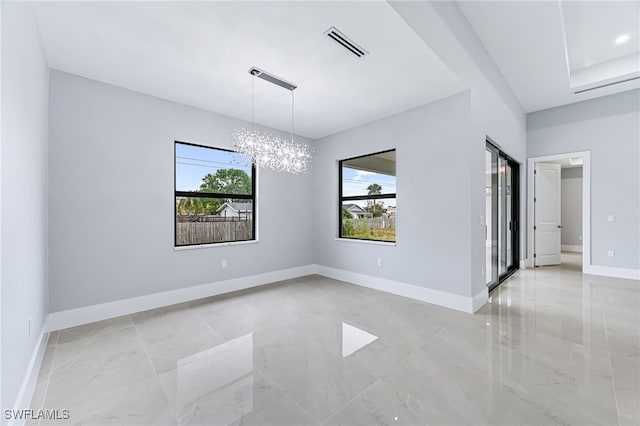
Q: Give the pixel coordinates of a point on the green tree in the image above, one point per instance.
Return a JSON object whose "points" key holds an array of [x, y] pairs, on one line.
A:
{"points": [[227, 181], [374, 189], [223, 181], [372, 207], [191, 206], [347, 222], [377, 209]]}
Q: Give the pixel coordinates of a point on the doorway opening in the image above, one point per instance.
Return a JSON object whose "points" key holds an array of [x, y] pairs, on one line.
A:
{"points": [[502, 200], [558, 213]]}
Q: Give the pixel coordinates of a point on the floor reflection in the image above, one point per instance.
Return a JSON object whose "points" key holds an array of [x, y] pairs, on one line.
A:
{"points": [[354, 339], [219, 380]]}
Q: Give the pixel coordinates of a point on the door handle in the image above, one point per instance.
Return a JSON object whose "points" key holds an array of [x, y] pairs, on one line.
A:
{"points": [[559, 226]]}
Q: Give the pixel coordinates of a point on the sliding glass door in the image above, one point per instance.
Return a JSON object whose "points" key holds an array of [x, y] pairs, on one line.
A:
{"points": [[501, 215], [491, 203]]}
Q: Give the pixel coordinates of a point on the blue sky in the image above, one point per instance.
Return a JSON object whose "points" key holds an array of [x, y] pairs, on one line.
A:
{"points": [[355, 182], [193, 163]]}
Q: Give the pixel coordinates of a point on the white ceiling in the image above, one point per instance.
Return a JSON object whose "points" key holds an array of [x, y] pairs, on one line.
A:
{"points": [[527, 42], [592, 28], [199, 53]]}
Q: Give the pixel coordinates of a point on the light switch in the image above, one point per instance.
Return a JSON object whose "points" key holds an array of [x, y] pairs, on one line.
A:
{"points": [[611, 253], [223, 263], [611, 218]]}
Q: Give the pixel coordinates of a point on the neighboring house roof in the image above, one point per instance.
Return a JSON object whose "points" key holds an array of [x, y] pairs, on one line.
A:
{"points": [[239, 207], [357, 211], [353, 208]]}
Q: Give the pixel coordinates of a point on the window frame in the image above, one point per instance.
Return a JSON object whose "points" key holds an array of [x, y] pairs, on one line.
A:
{"points": [[193, 194], [342, 199]]}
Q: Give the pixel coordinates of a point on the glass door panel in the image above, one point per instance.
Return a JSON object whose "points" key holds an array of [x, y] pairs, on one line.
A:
{"points": [[502, 223], [491, 231], [509, 216], [501, 215]]}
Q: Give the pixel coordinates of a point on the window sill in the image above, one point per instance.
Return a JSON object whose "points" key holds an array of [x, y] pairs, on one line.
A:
{"points": [[204, 246], [374, 242]]}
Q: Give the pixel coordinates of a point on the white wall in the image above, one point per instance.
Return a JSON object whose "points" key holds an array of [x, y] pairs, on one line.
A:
{"points": [[495, 112], [112, 200], [432, 248], [24, 134], [571, 205], [609, 127]]}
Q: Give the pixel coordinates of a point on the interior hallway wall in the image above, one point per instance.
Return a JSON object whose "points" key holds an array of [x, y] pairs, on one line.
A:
{"points": [[571, 205], [495, 112], [24, 296], [609, 127]]}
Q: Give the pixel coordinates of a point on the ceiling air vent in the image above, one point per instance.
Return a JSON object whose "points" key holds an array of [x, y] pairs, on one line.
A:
{"points": [[345, 42]]}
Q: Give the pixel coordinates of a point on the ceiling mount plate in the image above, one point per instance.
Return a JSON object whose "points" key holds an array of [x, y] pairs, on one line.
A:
{"points": [[272, 78]]}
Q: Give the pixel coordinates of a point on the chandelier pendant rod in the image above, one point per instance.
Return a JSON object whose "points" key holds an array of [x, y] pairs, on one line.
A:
{"points": [[292, 109], [253, 102]]}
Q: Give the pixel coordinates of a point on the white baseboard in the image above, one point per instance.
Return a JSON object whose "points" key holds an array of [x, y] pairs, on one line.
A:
{"points": [[572, 248], [526, 263], [88, 314], [480, 299], [608, 271], [23, 401], [436, 297]]}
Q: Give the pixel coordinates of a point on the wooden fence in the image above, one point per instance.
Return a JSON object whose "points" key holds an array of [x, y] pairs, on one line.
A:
{"points": [[203, 232], [378, 222]]}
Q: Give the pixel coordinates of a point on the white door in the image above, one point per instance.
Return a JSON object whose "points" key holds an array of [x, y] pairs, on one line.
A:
{"points": [[547, 214]]}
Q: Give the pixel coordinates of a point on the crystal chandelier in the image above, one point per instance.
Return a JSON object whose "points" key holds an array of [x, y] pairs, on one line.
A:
{"points": [[267, 150]]}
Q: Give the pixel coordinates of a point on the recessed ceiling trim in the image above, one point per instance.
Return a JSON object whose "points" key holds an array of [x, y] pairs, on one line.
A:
{"points": [[344, 41], [586, 71], [565, 43], [606, 85]]}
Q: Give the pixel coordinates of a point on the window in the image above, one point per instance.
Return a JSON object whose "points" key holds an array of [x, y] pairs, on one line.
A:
{"points": [[215, 195], [367, 207]]}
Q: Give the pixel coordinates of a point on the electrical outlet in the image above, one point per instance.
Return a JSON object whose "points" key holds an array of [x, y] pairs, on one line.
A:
{"points": [[611, 253], [379, 261], [611, 218], [223, 263]]}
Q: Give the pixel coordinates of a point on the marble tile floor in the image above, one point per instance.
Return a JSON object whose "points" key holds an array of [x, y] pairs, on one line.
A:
{"points": [[551, 347]]}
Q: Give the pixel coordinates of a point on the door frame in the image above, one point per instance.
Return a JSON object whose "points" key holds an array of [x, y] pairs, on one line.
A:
{"points": [[515, 213], [586, 203]]}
